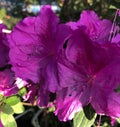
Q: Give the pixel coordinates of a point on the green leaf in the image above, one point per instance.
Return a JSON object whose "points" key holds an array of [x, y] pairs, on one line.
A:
{"points": [[51, 109], [2, 100], [84, 118], [2, 13], [18, 108], [7, 120], [7, 109], [112, 7], [22, 91], [13, 100]]}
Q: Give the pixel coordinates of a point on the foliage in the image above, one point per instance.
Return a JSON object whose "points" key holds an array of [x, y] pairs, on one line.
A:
{"points": [[71, 8], [10, 106]]}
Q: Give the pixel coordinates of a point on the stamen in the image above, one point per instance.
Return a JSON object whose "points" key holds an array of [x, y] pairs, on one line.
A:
{"points": [[99, 121], [113, 29]]}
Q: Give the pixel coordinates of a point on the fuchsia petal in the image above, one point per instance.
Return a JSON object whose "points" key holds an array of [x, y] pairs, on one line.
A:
{"points": [[71, 100], [43, 97], [97, 29], [51, 76], [46, 25], [22, 45], [116, 39], [67, 105], [113, 101], [68, 75], [105, 85], [73, 25], [104, 31]]}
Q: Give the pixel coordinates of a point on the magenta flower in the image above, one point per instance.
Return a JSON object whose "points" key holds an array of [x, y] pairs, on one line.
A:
{"points": [[4, 49], [7, 86], [34, 48], [90, 73]]}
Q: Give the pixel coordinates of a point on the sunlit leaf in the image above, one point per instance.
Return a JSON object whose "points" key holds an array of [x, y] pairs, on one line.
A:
{"points": [[84, 118], [118, 120], [112, 7], [22, 91], [18, 108], [7, 120]]}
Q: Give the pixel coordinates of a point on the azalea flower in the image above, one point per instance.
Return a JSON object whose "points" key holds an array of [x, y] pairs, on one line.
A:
{"points": [[90, 73], [34, 48], [4, 49]]}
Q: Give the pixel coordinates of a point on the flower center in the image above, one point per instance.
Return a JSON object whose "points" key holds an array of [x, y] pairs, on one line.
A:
{"points": [[91, 79]]}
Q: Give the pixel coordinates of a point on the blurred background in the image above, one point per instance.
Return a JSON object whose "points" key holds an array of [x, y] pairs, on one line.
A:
{"points": [[11, 11]]}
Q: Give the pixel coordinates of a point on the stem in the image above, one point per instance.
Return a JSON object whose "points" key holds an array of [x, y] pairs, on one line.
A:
{"points": [[24, 113], [29, 104], [35, 121]]}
